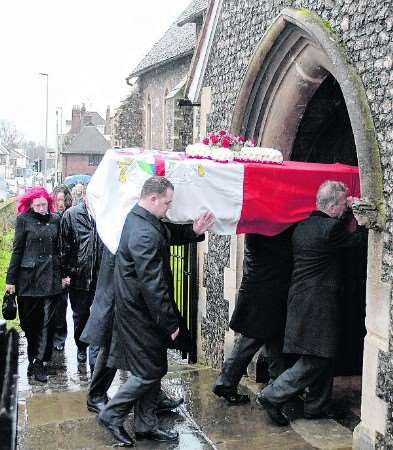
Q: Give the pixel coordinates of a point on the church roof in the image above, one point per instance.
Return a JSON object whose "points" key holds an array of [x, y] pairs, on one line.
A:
{"points": [[178, 41]]}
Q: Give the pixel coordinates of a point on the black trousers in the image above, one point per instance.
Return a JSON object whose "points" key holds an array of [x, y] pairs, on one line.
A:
{"points": [[103, 376], [140, 393], [311, 373], [60, 334], [80, 303], [242, 354], [36, 316]]}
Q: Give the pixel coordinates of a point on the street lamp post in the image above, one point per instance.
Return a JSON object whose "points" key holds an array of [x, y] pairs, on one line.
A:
{"points": [[59, 147], [46, 125]]}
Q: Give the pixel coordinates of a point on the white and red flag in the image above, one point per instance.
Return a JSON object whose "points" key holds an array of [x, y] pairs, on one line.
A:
{"points": [[244, 197]]}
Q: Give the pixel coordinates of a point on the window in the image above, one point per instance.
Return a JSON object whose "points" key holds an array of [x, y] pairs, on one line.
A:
{"points": [[148, 140], [94, 160]]}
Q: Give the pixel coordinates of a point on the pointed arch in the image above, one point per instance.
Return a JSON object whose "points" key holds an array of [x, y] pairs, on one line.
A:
{"points": [[296, 54]]}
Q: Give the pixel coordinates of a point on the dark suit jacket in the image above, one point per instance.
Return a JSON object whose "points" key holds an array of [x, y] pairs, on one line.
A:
{"points": [[98, 329], [312, 326], [145, 313], [260, 310]]}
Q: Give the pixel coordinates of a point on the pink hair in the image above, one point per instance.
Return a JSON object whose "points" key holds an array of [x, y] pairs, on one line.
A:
{"points": [[25, 200]]}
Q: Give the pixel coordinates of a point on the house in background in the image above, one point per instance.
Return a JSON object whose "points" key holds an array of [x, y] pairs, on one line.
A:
{"points": [[86, 141], [4, 161], [85, 152], [18, 163]]}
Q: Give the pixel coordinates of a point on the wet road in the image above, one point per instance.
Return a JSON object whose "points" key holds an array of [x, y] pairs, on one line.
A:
{"points": [[54, 415]]}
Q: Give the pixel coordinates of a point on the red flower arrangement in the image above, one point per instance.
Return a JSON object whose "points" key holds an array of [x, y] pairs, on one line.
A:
{"points": [[226, 140]]}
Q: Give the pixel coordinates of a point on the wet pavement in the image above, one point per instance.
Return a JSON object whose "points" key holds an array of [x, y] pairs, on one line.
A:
{"points": [[54, 415]]}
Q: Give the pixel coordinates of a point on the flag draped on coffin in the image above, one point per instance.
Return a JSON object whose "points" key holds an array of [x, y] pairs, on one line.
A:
{"points": [[245, 198]]}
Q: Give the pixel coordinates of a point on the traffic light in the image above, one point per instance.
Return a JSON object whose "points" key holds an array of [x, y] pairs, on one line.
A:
{"points": [[35, 165]]}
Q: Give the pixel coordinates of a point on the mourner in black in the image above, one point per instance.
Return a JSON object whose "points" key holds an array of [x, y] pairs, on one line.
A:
{"points": [[81, 250], [98, 332], [260, 311], [312, 325], [34, 273], [146, 320], [63, 201]]}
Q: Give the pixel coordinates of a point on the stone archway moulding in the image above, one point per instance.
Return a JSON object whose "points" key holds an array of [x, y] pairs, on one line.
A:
{"points": [[320, 53]]}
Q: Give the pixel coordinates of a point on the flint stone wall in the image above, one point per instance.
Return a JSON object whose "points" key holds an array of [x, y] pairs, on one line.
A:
{"points": [[365, 28]]}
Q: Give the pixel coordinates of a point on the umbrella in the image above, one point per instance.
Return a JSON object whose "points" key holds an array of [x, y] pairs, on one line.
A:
{"points": [[75, 179]]}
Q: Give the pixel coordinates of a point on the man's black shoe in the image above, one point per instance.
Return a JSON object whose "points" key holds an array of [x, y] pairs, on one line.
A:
{"points": [[274, 412], [40, 372], [118, 432], [168, 405], [96, 406], [59, 348], [158, 435], [81, 356], [233, 397]]}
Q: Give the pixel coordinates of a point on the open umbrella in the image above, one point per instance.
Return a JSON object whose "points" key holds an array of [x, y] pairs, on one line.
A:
{"points": [[75, 179]]}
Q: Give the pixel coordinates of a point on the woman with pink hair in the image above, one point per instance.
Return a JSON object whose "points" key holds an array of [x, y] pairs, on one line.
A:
{"points": [[34, 273]]}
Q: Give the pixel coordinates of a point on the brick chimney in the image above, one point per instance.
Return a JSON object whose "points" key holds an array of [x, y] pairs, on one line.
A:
{"points": [[107, 129], [75, 120]]}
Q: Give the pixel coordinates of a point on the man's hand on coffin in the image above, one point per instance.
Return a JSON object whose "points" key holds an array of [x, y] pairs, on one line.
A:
{"points": [[203, 222]]}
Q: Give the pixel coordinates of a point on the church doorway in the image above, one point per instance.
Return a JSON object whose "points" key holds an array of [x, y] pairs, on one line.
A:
{"points": [[301, 96]]}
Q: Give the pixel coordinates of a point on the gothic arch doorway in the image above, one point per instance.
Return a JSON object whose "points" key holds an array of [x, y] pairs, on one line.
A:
{"points": [[301, 95]]}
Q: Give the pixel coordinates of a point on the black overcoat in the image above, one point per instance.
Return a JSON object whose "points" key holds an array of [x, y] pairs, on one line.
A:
{"points": [[145, 312], [312, 326], [98, 329], [81, 247], [260, 310], [34, 267]]}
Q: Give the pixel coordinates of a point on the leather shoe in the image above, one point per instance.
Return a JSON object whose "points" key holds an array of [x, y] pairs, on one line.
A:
{"points": [[233, 397], [158, 435], [273, 411], [169, 404], [96, 406], [81, 356], [118, 432], [40, 372]]}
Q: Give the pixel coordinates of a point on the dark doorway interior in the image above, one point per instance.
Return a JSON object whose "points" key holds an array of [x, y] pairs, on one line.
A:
{"points": [[325, 136]]}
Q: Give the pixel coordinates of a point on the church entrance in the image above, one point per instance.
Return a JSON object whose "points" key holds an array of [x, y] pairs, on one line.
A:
{"points": [[301, 96]]}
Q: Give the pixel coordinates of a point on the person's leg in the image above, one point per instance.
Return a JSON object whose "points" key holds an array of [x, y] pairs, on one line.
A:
{"points": [[145, 409], [165, 403], [29, 318], [60, 334], [319, 394], [305, 372], [80, 305], [45, 336], [117, 409], [276, 360], [236, 364], [101, 379]]}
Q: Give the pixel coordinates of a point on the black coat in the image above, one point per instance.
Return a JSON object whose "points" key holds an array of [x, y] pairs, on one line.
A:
{"points": [[35, 261], [81, 247], [145, 311], [98, 329], [260, 310], [312, 326]]}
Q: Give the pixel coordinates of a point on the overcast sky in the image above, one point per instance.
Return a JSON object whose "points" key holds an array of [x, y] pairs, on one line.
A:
{"points": [[87, 47]]}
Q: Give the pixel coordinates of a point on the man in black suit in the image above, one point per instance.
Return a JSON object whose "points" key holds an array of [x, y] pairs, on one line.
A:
{"points": [[146, 319], [312, 325], [98, 332], [259, 315]]}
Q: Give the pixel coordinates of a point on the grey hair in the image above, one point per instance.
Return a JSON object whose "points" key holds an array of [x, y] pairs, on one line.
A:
{"points": [[156, 185], [328, 194]]}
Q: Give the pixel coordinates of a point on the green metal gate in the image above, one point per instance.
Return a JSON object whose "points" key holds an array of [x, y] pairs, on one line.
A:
{"points": [[184, 268]]}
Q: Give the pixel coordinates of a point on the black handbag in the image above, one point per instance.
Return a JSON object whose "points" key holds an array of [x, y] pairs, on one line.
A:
{"points": [[9, 307]]}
